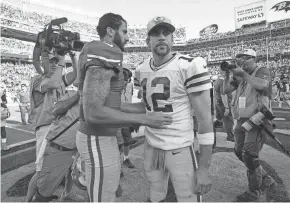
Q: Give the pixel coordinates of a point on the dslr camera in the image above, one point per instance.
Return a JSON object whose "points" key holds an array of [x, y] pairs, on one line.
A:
{"points": [[257, 119], [226, 66], [53, 36]]}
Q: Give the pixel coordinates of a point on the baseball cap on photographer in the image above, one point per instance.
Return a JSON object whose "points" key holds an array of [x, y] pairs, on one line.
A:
{"points": [[157, 21], [52, 56], [247, 52]]}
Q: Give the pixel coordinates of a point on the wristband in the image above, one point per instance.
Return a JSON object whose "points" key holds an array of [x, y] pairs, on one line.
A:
{"points": [[206, 138]]}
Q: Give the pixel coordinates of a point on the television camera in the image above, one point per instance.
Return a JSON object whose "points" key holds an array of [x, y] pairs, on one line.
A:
{"points": [[54, 36]]}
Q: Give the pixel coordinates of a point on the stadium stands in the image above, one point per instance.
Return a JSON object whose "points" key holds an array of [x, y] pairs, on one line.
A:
{"points": [[11, 45], [13, 75], [227, 51], [274, 40], [15, 17], [275, 25]]}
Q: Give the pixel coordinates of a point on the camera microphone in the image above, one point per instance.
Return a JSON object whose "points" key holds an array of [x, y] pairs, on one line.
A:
{"points": [[59, 21]]}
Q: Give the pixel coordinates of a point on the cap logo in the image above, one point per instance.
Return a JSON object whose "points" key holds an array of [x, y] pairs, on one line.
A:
{"points": [[159, 19]]}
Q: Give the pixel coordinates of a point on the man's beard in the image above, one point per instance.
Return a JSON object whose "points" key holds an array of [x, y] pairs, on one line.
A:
{"points": [[158, 53], [117, 40]]}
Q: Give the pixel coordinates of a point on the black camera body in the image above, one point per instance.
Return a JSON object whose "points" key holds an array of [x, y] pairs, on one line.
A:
{"points": [[257, 119], [226, 66], [53, 36]]}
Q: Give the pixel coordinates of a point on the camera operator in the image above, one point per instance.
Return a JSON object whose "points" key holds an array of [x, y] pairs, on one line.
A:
{"points": [[252, 85], [46, 90]]}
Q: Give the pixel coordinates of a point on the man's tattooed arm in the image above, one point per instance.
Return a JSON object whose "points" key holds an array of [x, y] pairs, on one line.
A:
{"points": [[95, 92]]}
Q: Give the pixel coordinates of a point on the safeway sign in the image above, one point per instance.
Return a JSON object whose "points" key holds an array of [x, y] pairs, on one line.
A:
{"points": [[250, 13]]}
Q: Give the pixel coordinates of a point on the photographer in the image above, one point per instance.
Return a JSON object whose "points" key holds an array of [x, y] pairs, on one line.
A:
{"points": [[46, 90], [252, 85]]}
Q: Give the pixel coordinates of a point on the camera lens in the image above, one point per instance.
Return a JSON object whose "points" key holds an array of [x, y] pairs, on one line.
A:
{"points": [[232, 66], [224, 66]]}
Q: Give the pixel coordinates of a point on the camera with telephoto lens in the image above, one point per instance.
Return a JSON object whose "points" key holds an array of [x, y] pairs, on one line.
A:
{"points": [[257, 119], [226, 66], [63, 41]]}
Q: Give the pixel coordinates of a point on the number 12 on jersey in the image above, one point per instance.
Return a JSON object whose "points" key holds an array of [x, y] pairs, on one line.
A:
{"points": [[157, 96]]}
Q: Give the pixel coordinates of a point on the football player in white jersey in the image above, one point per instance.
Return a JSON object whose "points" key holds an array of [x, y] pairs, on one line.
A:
{"points": [[172, 84]]}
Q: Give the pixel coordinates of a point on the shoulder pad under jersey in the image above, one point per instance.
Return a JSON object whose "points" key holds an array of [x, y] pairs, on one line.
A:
{"points": [[108, 55], [185, 57]]}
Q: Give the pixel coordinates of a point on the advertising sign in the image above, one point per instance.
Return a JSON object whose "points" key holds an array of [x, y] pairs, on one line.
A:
{"points": [[209, 30], [250, 14]]}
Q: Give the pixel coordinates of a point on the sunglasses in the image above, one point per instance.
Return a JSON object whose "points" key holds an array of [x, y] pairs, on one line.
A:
{"points": [[54, 60], [245, 57]]}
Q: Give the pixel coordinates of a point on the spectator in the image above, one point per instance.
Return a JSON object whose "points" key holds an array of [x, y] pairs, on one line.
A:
{"points": [[23, 100], [4, 115]]}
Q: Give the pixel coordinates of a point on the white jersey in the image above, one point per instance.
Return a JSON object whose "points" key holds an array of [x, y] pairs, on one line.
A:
{"points": [[165, 89]]}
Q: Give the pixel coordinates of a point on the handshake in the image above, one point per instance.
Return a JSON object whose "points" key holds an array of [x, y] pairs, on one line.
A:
{"points": [[153, 120], [156, 120]]}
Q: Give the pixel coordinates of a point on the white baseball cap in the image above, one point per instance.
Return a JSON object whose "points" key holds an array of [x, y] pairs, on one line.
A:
{"points": [[160, 20], [51, 56], [247, 52]]}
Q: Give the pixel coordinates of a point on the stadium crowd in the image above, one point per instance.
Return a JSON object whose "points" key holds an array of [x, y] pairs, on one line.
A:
{"points": [[230, 50], [210, 53], [274, 25], [13, 75], [16, 46], [16, 17]]}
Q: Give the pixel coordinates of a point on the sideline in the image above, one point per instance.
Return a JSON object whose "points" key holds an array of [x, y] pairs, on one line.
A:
{"points": [[22, 143], [282, 131], [14, 128]]}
